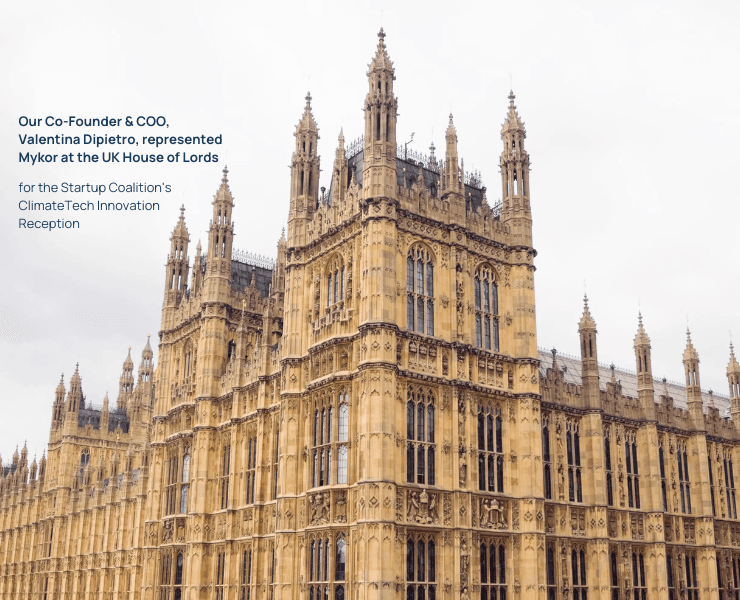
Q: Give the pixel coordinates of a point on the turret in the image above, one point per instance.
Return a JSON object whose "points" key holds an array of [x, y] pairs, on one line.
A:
{"points": [[451, 180], [693, 384], [304, 172], [75, 400], [733, 378], [589, 359], [177, 263], [126, 382], [221, 234], [516, 210], [340, 180], [105, 414], [645, 390], [197, 278], [381, 113], [57, 412]]}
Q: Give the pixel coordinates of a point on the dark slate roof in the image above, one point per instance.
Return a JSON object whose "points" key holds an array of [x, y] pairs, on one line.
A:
{"points": [[92, 416], [407, 178], [241, 277], [628, 381]]}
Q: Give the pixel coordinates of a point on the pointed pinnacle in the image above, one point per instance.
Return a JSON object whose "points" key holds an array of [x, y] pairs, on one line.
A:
{"points": [[381, 35], [511, 98], [308, 100]]}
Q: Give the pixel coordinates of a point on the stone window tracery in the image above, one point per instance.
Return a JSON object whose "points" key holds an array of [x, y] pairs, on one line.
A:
{"points": [[663, 485], [633, 478], [220, 586], [573, 453], [639, 581], [683, 477], [486, 309], [420, 290], [225, 475], [251, 467], [327, 562], [421, 567], [420, 437], [493, 570], [729, 484], [330, 427], [692, 584], [578, 573], [335, 281], [490, 449], [608, 467], [171, 577], [546, 458], [246, 576]]}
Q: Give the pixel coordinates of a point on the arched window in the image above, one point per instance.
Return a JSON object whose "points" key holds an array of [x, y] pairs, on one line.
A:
{"points": [[420, 291], [185, 481], [420, 437], [573, 451], [485, 291], [578, 571], [251, 467], [490, 450], [330, 441], [493, 570], [335, 281]]}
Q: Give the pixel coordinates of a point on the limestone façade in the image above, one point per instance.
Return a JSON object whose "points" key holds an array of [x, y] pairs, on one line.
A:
{"points": [[369, 417]]}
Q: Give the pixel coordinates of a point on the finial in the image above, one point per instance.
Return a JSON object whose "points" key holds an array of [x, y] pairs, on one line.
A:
{"points": [[585, 301], [308, 100], [182, 210], [711, 398], [639, 318], [224, 179], [511, 98], [381, 35]]}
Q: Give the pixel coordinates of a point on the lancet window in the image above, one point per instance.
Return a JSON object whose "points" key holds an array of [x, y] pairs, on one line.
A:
{"points": [[663, 485], [421, 567], [420, 290], [692, 584], [614, 575], [327, 563], [171, 577], [546, 457], [220, 586], [573, 452], [486, 309], [245, 583], [225, 475], [493, 584], [330, 433], [578, 573], [420, 437], [639, 581], [711, 479], [608, 467], [552, 587], [633, 477], [671, 574], [335, 281], [490, 449], [251, 467], [683, 477], [730, 484]]}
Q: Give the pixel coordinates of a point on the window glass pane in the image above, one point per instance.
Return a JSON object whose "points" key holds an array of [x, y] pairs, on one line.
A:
{"points": [[494, 298], [420, 314], [486, 296], [410, 313], [430, 317], [430, 423], [487, 332], [343, 415], [420, 422], [478, 331], [430, 279], [477, 293], [410, 411], [419, 277], [410, 274], [342, 465]]}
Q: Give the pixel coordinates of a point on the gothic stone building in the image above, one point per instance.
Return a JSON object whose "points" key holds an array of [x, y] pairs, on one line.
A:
{"points": [[369, 417]]}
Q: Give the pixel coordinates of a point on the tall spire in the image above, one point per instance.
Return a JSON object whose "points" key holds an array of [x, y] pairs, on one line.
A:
{"points": [[693, 383], [126, 382], [221, 231], [381, 112], [514, 162], [589, 358], [75, 399], [643, 359], [177, 262], [305, 168], [733, 378]]}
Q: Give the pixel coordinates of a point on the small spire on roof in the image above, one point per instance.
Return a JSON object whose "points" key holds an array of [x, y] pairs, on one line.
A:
{"points": [[381, 34]]}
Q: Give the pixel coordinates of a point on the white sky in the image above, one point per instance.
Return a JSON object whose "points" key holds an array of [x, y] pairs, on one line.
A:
{"points": [[631, 110]]}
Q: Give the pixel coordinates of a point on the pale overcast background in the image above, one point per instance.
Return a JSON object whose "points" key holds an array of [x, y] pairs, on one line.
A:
{"points": [[631, 110]]}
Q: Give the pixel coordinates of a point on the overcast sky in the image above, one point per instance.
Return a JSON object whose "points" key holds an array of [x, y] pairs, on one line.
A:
{"points": [[631, 111]]}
